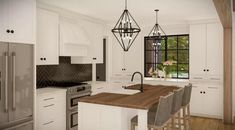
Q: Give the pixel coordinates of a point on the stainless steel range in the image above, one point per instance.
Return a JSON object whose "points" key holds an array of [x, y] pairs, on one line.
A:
{"points": [[74, 92]]}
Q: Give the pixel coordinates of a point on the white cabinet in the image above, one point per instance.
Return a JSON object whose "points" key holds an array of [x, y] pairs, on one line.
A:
{"points": [[18, 21], [207, 100], [95, 33], [126, 63], [47, 37], [51, 109], [74, 40], [206, 52]]}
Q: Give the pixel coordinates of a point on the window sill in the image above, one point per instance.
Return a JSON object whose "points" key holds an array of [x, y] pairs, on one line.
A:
{"points": [[166, 80]]}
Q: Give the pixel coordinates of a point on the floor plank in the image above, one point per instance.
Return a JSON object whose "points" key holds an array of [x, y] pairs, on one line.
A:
{"points": [[199, 123]]}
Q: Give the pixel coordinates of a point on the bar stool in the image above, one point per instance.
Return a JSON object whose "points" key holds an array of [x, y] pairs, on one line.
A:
{"points": [[176, 107], [161, 118], [186, 106]]}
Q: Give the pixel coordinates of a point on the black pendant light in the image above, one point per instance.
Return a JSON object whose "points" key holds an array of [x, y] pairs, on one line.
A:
{"points": [[157, 33], [126, 29]]}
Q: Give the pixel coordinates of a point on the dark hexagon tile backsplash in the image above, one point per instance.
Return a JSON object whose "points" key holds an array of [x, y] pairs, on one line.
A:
{"points": [[65, 71]]}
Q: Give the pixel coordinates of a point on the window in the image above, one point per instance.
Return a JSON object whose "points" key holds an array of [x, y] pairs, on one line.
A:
{"points": [[173, 48]]}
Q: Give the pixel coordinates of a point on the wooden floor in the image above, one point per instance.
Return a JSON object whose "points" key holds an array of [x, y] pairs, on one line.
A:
{"points": [[198, 123]]}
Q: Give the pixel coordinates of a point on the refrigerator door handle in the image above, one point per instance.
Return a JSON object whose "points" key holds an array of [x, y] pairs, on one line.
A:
{"points": [[6, 81], [13, 81]]}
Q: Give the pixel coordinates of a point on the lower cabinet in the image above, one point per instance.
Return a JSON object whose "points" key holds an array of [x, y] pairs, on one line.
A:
{"points": [[51, 109], [207, 100]]}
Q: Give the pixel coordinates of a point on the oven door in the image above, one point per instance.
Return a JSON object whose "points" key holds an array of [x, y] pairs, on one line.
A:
{"points": [[73, 102], [73, 120]]}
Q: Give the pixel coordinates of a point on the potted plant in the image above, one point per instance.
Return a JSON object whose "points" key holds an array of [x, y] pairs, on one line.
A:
{"points": [[167, 68]]}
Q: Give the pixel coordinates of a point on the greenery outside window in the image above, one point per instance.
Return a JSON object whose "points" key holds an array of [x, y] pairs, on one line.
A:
{"points": [[173, 48]]}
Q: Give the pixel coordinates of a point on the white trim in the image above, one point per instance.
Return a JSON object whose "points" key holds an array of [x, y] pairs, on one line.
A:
{"points": [[203, 21], [68, 14]]}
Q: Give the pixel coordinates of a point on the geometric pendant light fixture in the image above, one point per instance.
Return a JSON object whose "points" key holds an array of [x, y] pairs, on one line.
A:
{"points": [[157, 33], [126, 29]]}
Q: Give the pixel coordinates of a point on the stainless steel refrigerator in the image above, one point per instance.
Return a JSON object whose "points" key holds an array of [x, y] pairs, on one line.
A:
{"points": [[16, 86]]}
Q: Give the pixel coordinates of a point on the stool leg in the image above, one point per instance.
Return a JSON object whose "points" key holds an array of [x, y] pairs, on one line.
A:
{"points": [[184, 118], [132, 126], [188, 116], [173, 123], [179, 120]]}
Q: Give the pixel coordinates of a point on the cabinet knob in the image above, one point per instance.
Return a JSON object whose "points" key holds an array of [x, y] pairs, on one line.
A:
{"points": [[41, 58], [204, 92], [207, 70], [204, 70], [201, 92], [8, 31], [44, 58], [94, 58], [12, 31]]}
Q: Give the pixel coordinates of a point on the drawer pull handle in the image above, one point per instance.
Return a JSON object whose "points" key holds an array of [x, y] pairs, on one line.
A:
{"points": [[49, 105], [214, 78], [46, 99], [100, 87], [48, 123], [213, 87], [197, 78]]}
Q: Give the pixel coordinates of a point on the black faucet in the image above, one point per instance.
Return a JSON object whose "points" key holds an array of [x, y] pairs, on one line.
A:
{"points": [[141, 86]]}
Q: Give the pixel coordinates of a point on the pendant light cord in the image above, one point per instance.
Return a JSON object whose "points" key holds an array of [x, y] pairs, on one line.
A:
{"points": [[126, 4]]}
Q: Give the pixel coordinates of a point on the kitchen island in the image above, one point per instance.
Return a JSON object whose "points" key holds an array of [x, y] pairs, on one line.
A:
{"points": [[114, 111]]}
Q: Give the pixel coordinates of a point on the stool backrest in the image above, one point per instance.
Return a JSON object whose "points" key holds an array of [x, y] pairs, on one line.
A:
{"points": [[177, 100], [187, 94], [163, 113]]}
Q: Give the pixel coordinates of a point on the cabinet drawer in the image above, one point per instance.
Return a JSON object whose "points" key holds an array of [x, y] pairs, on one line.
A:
{"points": [[48, 125], [43, 100]]}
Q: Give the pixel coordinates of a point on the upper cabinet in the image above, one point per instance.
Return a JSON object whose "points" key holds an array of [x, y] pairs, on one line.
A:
{"points": [[206, 52], [95, 34], [126, 63], [74, 39], [18, 21], [47, 37]]}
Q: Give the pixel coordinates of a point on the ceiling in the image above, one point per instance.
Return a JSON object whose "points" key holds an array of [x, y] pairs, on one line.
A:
{"points": [[171, 11]]}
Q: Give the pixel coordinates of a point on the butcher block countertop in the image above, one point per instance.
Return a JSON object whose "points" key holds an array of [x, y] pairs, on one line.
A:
{"points": [[144, 100]]}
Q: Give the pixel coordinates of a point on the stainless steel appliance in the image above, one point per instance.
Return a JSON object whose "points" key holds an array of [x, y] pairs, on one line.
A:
{"points": [[16, 86], [75, 90]]}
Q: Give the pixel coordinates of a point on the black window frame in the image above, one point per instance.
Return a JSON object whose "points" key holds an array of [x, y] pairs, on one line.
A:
{"points": [[166, 50]]}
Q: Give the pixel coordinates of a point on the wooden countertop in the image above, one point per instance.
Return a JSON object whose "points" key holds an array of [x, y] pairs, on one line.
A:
{"points": [[144, 100]]}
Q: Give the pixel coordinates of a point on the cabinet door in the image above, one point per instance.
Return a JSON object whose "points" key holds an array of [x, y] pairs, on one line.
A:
{"points": [[196, 99], [97, 42], [197, 51], [22, 16], [215, 51], [132, 58], [47, 37], [4, 11], [213, 101], [118, 57]]}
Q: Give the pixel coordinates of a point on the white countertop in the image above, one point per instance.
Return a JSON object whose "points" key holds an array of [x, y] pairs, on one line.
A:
{"points": [[49, 90]]}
